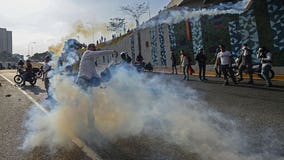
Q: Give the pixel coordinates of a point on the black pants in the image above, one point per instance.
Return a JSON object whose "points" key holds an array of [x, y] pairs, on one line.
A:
{"points": [[249, 70], [202, 70], [227, 71]]}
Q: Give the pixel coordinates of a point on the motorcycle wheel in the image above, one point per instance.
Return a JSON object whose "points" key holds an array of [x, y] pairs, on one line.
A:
{"points": [[18, 79], [39, 74], [33, 81]]}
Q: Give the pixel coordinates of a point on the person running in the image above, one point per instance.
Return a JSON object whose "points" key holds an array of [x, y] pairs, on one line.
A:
{"points": [[245, 62], [225, 58], [266, 64], [201, 59]]}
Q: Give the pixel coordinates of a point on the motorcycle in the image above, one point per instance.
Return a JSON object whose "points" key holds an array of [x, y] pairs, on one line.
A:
{"points": [[143, 67], [256, 69], [19, 78], [38, 72]]}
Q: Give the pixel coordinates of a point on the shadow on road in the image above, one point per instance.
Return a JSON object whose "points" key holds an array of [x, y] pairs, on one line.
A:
{"points": [[34, 89]]}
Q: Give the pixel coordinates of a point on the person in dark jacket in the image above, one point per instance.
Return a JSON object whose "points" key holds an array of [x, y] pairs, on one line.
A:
{"points": [[174, 63], [201, 59], [28, 72], [245, 62]]}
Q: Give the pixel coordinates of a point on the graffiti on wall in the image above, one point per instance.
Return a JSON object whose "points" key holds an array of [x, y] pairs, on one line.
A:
{"points": [[235, 37], [276, 15], [162, 45], [244, 31], [172, 37], [196, 32], [154, 46]]}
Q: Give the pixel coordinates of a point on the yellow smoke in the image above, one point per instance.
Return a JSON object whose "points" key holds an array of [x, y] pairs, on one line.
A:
{"points": [[79, 29]]}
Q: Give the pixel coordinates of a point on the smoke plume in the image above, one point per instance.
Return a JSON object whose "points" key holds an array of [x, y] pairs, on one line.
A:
{"points": [[133, 104], [176, 15]]}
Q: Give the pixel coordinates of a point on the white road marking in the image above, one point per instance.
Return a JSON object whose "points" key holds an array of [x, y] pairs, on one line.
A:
{"points": [[87, 150]]}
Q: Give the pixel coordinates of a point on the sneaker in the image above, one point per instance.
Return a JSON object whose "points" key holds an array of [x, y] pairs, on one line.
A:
{"points": [[205, 79]]}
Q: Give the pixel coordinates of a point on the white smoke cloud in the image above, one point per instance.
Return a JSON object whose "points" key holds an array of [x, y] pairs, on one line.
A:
{"points": [[176, 15], [134, 104]]}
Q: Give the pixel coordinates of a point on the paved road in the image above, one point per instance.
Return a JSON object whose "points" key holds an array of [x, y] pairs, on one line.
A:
{"points": [[257, 111], [14, 106]]}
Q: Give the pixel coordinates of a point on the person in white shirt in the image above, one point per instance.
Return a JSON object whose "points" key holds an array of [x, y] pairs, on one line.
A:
{"points": [[225, 59], [46, 68], [88, 76], [266, 64]]}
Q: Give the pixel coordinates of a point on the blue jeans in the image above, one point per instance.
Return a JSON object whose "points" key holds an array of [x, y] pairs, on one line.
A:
{"points": [[185, 71], [265, 73], [85, 83]]}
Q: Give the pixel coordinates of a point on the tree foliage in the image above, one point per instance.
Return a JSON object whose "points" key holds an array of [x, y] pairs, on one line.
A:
{"points": [[135, 11], [117, 25]]}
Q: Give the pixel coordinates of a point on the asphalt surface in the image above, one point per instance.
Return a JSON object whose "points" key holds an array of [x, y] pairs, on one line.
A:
{"points": [[257, 110], [14, 106]]}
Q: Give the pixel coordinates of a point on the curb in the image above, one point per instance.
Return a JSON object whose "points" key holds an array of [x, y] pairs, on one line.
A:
{"points": [[277, 77]]}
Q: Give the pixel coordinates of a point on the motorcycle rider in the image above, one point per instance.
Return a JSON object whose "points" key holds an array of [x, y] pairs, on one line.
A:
{"points": [[245, 62], [125, 57], [139, 58], [266, 64], [28, 73], [21, 67]]}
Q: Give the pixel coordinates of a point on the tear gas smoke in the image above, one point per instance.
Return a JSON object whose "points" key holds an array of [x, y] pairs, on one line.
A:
{"points": [[134, 104], [79, 29], [176, 15]]}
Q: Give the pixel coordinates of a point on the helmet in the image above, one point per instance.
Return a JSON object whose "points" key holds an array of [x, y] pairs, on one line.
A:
{"points": [[123, 53]]}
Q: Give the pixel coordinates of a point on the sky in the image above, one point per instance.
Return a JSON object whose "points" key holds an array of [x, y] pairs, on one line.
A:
{"points": [[38, 24]]}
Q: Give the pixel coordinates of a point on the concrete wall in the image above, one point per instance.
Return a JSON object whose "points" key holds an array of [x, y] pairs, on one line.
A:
{"points": [[155, 45]]}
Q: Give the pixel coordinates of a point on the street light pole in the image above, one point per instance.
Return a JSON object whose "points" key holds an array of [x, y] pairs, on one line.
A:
{"points": [[29, 47]]}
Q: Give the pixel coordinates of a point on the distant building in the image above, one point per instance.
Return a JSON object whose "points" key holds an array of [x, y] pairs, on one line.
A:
{"points": [[5, 41]]}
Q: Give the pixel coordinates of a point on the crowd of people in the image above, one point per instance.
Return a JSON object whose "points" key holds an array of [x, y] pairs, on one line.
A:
{"points": [[88, 76], [225, 64]]}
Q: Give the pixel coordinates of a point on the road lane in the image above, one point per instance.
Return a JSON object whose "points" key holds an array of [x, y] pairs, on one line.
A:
{"points": [[258, 111], [13, 111]]}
